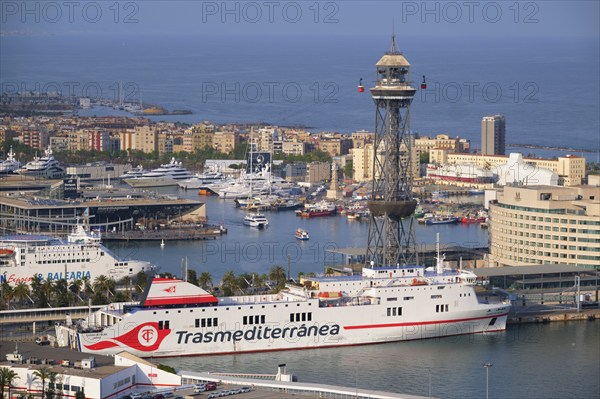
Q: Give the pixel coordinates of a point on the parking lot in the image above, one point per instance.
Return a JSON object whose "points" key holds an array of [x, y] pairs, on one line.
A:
{"points": [[253, 393]]}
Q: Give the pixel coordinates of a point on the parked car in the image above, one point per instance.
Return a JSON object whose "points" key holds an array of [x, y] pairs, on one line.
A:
{"points": [[244, 389], [136, 396], [210, 386], [199, 388], [158, 396]]}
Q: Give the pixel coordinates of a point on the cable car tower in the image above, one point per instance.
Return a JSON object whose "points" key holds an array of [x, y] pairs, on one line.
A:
{"points": [[391, 239]]}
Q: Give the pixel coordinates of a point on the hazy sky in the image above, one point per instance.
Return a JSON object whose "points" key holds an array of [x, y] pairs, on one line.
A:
{"points": [[342, 17]]}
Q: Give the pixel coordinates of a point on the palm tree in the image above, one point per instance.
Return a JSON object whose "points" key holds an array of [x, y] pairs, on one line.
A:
{"points": [[7, 377], [43, 373], [21, 291], [278, 275], [229, 282], [7, 291], [104, 284], [75, 288], [205, 280]]}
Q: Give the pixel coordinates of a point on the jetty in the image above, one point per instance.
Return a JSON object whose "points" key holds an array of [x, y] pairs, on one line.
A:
{"points": [[167, 234]]}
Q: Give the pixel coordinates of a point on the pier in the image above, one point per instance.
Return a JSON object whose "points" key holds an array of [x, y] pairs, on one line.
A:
{"points": [[168, 234], [269, 387]]}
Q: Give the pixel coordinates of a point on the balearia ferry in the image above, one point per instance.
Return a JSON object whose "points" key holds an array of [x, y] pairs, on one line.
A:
{"points": [[81, 256], [176, 318]]}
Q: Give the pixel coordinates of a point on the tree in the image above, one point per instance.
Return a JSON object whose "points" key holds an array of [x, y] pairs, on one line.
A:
{"points": [[278, 275], [103, 284], [348, 169], [7, 291], [43, 373], [192, 277], [21, 291], [329, 271], [205, 280], [7, 377], [50, 392], [424, 158], [61, 293], [80, 394], [229, 283]]}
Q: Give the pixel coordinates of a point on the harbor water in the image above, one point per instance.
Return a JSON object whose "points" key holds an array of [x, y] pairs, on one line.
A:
{"points": [[248, 250], [556, 360]]}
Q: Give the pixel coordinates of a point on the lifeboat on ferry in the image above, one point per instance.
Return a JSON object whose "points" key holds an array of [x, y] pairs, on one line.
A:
{"points": [[329, 295], [418, 282], [6, 252]]}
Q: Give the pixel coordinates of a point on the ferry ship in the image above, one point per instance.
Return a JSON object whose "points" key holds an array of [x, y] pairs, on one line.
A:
{"points": [[167, 175], [43, 167], [81, 256], [384, 304]]}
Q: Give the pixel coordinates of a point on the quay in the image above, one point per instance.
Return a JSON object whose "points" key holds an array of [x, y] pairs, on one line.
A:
{"points": [[282, 385], [168, 234]]}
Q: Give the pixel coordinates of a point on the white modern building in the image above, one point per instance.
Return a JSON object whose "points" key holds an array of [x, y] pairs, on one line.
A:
{"points": [[99, 377]]}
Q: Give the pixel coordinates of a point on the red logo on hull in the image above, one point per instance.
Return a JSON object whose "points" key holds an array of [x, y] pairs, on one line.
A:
{"points": [[145, 337]]}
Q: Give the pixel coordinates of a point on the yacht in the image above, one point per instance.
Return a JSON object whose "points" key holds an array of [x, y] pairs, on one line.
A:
{"points": [[10, 165], [257, 220], [45, 167], [134, 173], [202, 180], [167, 175]]}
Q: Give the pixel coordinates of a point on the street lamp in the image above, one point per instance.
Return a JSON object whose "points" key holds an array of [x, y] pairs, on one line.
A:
{"points": [[487, 369]]}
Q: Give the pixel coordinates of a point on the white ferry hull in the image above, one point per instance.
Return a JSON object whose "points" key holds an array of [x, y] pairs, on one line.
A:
{"points": [[141, 334]]}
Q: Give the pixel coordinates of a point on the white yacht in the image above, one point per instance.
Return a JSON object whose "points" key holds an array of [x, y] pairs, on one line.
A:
{"points": [[257, 220], [167, 175], [202, 180], [44, 167], [134, 173], [10, 165]]}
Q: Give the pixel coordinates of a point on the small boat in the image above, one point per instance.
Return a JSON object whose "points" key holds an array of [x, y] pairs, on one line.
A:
{"points": [[442, 220], [301, 235], [257, 220], [469, 220], [162, 243]]}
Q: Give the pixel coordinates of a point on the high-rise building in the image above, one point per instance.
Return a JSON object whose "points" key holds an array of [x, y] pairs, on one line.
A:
{"points": [[493, 135]]}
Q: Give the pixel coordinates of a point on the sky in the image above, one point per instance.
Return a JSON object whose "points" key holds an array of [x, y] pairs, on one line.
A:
{"points": [[342, 17]]}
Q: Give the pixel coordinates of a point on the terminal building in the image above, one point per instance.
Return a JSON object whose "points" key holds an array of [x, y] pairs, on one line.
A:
{"points": [[545, 225], [98, 377]]}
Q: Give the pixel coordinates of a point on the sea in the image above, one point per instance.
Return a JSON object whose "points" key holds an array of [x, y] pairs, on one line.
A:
{"points": [[546, 87]]}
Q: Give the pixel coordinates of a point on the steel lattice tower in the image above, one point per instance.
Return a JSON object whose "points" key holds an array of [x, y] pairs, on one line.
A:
{"points": [[391, 240]]}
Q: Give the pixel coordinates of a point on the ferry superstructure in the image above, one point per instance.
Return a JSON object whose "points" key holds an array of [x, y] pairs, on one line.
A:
{"points": [[81, 256], [167, 175], [176, 318], [10, 164], [43, 167]]}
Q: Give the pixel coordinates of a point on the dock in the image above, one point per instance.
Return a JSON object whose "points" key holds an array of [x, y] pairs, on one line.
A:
{"points": [[169, 234], [266, 386]]}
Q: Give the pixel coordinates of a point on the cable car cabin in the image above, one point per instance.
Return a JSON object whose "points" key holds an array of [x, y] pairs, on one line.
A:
{"points": [[361, 88], [423, 84]]}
